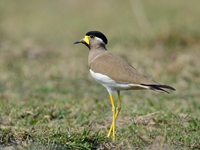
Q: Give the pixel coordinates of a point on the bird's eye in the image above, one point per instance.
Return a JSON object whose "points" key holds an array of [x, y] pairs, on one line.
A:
{"points": [[91, 36]]}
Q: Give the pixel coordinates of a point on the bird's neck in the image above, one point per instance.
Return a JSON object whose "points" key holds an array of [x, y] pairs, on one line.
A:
{"points": [[95, 46], [95, 53]]}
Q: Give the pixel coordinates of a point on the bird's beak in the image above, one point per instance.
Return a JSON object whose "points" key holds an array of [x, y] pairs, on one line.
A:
{"points": [[79, 41], [84, 40]]}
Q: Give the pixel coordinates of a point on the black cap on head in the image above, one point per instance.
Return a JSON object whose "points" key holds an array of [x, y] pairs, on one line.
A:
{"points": [[99, 35]]}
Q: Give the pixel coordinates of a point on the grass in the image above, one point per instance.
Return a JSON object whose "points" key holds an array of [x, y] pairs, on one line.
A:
{"points": [[48, 100]]}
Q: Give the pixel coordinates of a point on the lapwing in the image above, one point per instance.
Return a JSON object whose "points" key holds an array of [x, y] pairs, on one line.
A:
{"points": [[115, 73]]}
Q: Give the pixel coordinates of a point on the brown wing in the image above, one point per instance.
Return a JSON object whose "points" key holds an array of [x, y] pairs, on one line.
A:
{"points": [[123, 72]]}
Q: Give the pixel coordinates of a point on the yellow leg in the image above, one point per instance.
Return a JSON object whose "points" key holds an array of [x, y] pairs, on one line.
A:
{"points": [[117, 110], [118, 105], [112, 127]]}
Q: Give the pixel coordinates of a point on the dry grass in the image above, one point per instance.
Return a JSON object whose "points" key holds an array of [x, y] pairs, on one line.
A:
{"points": [[48, 100]]}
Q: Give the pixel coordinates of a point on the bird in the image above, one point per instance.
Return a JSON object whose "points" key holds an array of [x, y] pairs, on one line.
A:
{"points": [[115, 73]]}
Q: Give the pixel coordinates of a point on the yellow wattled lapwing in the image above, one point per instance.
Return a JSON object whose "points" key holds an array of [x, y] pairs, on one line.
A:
{"points": [[114, 73]]}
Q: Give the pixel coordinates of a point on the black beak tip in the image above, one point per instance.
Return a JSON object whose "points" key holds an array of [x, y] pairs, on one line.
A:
{"points": [[77, 42]]}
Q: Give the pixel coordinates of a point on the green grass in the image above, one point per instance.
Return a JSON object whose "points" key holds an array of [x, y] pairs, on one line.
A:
{"points": [[48, 100]]}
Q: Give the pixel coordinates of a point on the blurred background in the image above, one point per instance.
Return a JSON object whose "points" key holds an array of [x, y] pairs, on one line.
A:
{"points": [[40, 66], [160, 38]]}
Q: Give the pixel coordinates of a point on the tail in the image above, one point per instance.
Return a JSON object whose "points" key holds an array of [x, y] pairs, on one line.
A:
{"points": [[159, 88]]}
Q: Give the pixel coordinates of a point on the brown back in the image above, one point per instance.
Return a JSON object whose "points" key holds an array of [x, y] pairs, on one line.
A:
{"points": [[104, 62]]}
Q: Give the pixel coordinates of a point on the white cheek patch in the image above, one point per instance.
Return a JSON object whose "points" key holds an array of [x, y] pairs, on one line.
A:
{"points": [[99, 39]]}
